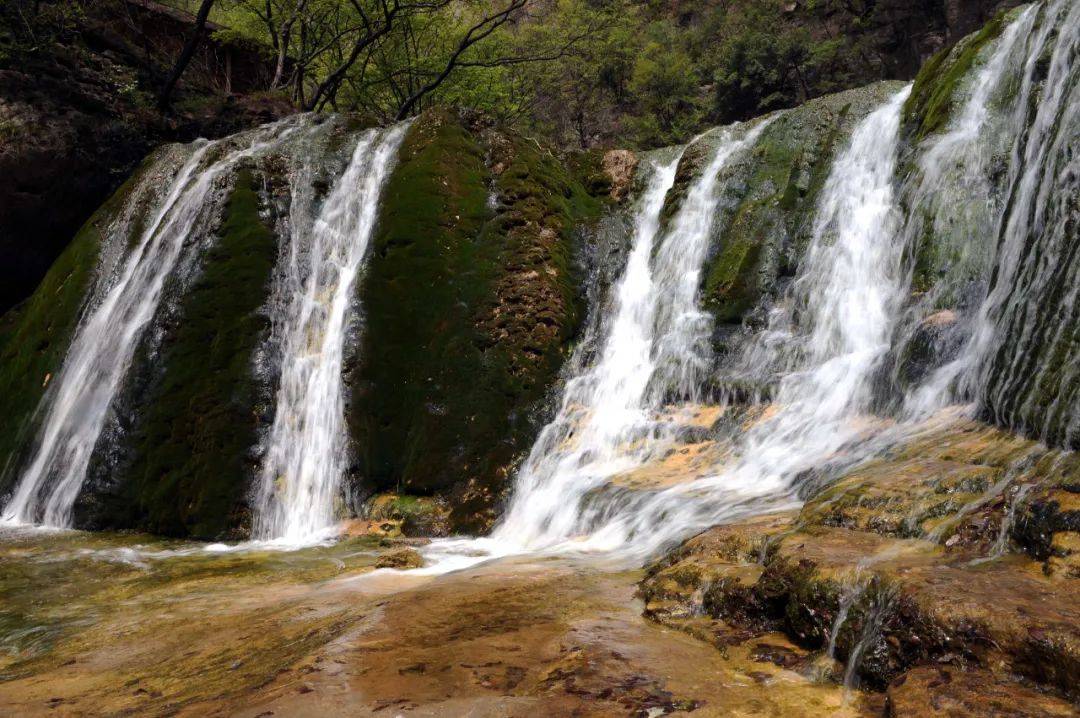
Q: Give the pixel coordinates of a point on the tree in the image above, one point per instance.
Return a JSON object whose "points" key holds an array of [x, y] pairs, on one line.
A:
{"points": [[477, 33], [192, 44]]}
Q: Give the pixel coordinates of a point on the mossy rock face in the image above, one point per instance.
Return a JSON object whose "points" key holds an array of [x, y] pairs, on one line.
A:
{"points": [[951, 246], [187, 462], [469, 301], [936, 92], [770, 197], [34, 336], [412, 516], [1032, 383]]}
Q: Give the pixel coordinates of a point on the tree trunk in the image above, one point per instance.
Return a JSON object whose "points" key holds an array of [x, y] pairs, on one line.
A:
{"points": [[186, 54]]}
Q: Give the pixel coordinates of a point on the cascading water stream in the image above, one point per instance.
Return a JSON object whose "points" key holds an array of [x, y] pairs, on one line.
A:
{"points": [[655, 342], [952, 196], [836, 325], [77, 406], [847, 294], [1031, 261], [849, 291], [305, 457]]}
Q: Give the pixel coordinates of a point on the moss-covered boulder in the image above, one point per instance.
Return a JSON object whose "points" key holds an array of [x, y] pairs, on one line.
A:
{"points": [[469, 301], [187, 460], [937, 91], [411, 516]]}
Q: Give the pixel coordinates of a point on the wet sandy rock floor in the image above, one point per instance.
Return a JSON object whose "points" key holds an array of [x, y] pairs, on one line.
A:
{"points": [[317, 633]]}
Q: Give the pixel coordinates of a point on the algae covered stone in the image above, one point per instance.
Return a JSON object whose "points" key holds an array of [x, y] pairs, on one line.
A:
{"points": [[470, 298]]}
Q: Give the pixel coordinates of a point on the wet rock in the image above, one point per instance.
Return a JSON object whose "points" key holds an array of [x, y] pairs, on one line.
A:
{"points": [[768, 200], [470, 297], [1064, 559], [619, 166], [404, 558], [413, 516], [934, 343], [902, 562], [785, 656], [958, 692], [1049, 521]]}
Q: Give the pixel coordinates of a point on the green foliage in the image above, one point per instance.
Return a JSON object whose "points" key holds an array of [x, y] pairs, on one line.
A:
{"points": [[191, 466], [581, 73], [758, 71], [666, 82], [28, 27]]}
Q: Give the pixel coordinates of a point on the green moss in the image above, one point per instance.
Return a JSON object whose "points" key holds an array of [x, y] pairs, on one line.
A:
{"points": [[467, 310], [35, 335], [190, 464], [732, 281], [587, 168], [934, 94], [772, 198]]}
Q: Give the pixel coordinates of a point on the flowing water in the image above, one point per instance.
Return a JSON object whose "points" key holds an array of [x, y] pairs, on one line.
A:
{"points": [[827, 334], [655, 343], [1033, 285], [305, 459], [1004, 167], [995, 190], [312, 315], [77, 405], [831, 331]]}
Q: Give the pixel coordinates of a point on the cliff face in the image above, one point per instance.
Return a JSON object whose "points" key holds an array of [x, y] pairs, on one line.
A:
{"points": [[469, 299], [77, 114], [471, 295]]}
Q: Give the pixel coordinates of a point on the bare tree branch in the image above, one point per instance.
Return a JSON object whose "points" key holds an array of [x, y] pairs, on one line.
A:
{"points": [[478, 32]]}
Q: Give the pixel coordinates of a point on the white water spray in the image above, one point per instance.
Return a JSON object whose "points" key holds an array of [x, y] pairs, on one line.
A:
{"points": [[305, 457], [655, 342]]}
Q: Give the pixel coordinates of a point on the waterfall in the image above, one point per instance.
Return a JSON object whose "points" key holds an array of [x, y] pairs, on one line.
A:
{"points": [[953, 200], [848, 292], [1019, 362], [1030, 382], [77, 406], [653, 343], [306, 448]]}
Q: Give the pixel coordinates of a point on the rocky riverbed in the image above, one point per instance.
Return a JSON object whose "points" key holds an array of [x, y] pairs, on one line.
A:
{"points": [[936, 577]]}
